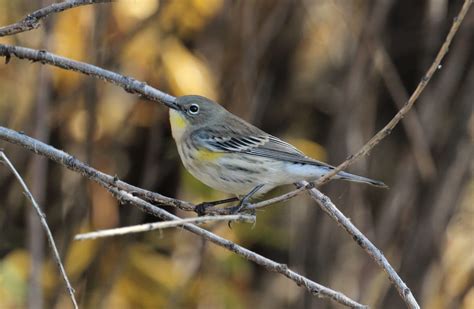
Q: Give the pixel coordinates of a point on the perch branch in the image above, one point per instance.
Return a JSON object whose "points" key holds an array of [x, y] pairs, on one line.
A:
{"points": [[44, 223]]}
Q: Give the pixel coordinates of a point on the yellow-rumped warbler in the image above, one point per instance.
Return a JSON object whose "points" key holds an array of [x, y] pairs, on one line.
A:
{"points": [[228, 154]]}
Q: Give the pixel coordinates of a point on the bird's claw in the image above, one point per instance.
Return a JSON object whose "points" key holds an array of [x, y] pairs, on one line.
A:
{"points": [[240, 208]]}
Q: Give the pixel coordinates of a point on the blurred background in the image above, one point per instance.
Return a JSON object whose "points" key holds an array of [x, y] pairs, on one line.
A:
{"points": [[324, 75]]}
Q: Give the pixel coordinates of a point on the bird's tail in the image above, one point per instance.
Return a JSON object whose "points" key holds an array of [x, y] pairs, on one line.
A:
{"points": [[356, 178]]}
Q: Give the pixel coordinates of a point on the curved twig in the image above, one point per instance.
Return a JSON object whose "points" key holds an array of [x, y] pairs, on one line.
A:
{"points": [[44, 223]]}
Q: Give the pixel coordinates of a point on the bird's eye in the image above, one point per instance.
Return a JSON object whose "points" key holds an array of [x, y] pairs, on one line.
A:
{"points": [[194, 109]]}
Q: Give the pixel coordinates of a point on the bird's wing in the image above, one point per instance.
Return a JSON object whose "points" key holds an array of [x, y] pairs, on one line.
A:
{"points": [[259, 144]]}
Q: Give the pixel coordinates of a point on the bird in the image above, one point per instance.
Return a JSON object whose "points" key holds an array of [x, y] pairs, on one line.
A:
{"points": [[231, 155]]}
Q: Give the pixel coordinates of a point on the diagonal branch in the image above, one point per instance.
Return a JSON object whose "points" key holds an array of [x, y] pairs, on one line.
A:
{"points": [[32, 21], [74, 164], [412, 124], [120, 190], [129, 84], [329, 208], [44, 223]]}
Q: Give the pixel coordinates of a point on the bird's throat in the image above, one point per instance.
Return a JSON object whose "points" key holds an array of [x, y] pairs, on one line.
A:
{"points": [[178, 124]]}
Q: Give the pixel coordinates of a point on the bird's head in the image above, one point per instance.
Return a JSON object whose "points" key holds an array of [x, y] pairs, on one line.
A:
{"points": [[193, 110]]}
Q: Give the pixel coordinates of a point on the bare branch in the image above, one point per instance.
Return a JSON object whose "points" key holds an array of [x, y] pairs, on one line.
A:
{"points": [[122, 191], [409, 104], [329, 208], [44, 223], [32, 21], [412, 124], [127, 83], [163, 225], [313, 287]]}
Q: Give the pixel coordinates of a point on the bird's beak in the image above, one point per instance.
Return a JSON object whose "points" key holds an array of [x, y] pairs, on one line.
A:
{"points": [[170, 102]]}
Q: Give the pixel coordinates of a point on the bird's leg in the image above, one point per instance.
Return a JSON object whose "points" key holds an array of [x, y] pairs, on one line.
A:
{"points": [[200, 209], [244, 201]]}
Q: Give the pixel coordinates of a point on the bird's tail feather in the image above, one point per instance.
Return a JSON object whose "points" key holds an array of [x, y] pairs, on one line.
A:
{"points": [[356, 178]]}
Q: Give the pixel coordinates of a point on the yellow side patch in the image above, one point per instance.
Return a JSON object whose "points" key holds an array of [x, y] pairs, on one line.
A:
{"points": [[207, 155]]}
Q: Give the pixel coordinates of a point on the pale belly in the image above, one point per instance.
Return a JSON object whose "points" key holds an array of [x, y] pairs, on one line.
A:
{"points": [[239, 173]]}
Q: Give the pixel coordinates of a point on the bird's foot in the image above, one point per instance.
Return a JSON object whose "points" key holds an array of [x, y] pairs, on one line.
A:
{"points": [[238, 208], [201, 208], [244, 202]]}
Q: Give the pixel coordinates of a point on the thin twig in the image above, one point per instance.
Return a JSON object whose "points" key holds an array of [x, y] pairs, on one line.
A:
{"points": [[277, 199], [412, 124], [329, 208], [32, 21], [163, 225], [409, 104], [42, 218], [114, 186]]}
